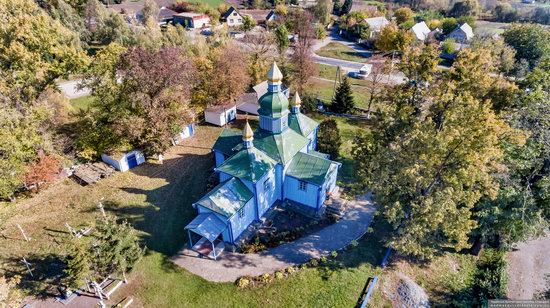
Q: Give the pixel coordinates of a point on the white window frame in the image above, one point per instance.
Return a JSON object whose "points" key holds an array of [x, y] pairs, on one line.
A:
{"points": [[302, 185], [241, 212]]}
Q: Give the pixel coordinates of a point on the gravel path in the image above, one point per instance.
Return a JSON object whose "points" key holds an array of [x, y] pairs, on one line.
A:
{"points": [[231, 266], [528, 264]]}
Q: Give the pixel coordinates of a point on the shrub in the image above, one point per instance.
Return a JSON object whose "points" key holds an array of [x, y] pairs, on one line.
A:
{"points": [[324, 259], [448, 46], [490, 279], [314, 262], [265, 278], [303, 266], [354, 243], [291, 270], [329, 139], [334, 254], [243, 282], [279, 275]]}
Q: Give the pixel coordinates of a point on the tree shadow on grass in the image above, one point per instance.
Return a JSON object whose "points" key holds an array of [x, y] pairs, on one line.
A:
{"points": [[168, 208], [47, 274]]}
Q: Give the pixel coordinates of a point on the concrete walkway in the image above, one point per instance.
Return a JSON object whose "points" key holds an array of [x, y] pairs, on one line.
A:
{"points": [[231, 266]]}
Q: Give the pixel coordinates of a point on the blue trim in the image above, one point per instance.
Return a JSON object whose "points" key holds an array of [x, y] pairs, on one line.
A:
{"points": [[319, 202], [231, 232]]}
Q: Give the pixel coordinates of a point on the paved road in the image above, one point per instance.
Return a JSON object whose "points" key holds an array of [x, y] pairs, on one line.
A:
{"points": [[230, 266], [69, 88], [349, 66]]}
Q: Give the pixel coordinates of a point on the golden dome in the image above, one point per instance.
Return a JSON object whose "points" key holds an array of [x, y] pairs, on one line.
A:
{"points": [[274, 74], [248, 134], [296, 101]]}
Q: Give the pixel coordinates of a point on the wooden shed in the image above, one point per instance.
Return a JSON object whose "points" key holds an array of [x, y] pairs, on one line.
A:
{"points": [[220, 115], [124, 161]]}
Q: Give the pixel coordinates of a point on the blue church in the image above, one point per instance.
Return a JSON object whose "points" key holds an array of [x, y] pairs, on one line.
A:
{"points": [[257, 169]]}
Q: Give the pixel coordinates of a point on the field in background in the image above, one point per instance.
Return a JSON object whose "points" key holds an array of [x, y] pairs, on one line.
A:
{"points": [[341, 51]]}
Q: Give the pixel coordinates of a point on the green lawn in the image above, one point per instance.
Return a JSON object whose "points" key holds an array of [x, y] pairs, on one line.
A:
{"points": [[324, 90], [81, 103], [156, 199], [341, 51]]}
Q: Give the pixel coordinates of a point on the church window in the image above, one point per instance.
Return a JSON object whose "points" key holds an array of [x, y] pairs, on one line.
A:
{"points": [[241, 212], [303, 185], [266, 185]]}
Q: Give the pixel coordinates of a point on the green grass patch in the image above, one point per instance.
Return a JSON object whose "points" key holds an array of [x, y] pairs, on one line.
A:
{"points": [[324, 90], [341, 51], [82, 103]]}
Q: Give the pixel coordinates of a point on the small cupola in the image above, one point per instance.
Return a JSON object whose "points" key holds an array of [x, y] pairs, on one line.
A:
{"points": [[274, 78], [248, 136], [296, 103]]}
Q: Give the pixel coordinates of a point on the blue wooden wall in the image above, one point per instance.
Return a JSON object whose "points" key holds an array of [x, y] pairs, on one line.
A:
{"points": [[309, 197]]}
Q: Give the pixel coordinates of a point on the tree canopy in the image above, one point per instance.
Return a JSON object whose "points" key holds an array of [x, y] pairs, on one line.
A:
{"points": [[432, 154]]}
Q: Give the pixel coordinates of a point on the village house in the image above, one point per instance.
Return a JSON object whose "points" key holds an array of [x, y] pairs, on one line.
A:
{"points": [[276, 164], [192, 20], [421, 31], [232, 17], [132, 10], [376, 24], [462, 34]]}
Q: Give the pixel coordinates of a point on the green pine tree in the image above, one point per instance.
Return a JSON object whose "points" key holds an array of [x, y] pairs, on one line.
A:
{"points": [[343, 100], [117, 247], [329, 139], [78, 264]]}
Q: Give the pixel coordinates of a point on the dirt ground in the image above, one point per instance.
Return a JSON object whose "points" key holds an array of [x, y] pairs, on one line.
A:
{"points": [[528, 265]]}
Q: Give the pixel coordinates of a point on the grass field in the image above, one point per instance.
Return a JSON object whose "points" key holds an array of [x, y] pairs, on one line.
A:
{"points": [[82, 102], [156, 199], [341, 51]]}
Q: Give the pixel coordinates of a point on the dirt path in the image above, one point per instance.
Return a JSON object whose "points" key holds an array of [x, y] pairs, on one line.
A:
{"points": [[527, 266]]}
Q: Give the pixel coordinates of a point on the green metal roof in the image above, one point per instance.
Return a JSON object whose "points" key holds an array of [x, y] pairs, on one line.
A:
{"points": [[281, 147], [228, 139], [208, 225], [248, 164], [309, 168], [227, 198], [302, 124], [273, 104]]}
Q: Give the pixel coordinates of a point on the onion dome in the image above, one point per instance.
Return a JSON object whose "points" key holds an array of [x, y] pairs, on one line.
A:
{"points": [[248, 134], [296, 101]]}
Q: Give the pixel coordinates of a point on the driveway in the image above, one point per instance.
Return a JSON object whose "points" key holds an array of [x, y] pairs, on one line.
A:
{"points": [[70, 89], [230, 266], [528, 266]]}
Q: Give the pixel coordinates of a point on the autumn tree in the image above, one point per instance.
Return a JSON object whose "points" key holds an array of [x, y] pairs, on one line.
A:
{"points": [[329, 139], [221, 81], [43, 171], [343, 101], [322, 11], [281, 39], [531, 42], [150, 11], [403, 14], [465, 8], [259, 46], [391, 38], [522, 207], [376, 87], [346, 7], [431, 158], [36, 49], [141, 99], [303, 66], [248, 23]]}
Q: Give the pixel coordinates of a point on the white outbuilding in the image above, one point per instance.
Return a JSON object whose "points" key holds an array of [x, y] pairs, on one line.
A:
{"points": [[220, 115], [421, 31], [124, 161]]}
